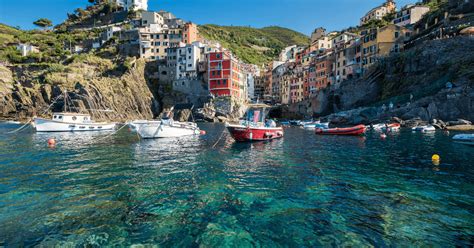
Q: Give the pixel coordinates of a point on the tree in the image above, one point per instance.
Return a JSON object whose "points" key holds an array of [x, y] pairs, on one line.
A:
{"points": [[43, 23]]}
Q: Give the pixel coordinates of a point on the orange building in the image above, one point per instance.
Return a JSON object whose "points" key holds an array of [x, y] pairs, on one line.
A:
{"points": [[323, 70], [190, 33]]}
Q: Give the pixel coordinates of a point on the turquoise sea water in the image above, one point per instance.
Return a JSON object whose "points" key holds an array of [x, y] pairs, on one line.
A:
{"points": [[300, 191]]}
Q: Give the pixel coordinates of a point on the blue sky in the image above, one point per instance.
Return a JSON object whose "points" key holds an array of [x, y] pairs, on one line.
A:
{"points": [[300, 15]]}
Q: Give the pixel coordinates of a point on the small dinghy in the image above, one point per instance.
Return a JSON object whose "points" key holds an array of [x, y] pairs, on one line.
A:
{"points": [[466, 139], [386, 127], [165, 128], [314, 125], [356, 130], [424, 129]]}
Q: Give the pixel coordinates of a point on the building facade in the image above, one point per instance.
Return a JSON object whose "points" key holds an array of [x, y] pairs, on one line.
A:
{"points": [[410, 15], [224, 74], [379, 12], [380, 42]]}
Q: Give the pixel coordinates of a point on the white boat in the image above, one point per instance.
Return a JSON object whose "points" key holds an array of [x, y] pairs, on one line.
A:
{"points": [[386, 127], [314, 125], [13, 122], [467, 139], [70, 122], [424, 129], [166, 128]]}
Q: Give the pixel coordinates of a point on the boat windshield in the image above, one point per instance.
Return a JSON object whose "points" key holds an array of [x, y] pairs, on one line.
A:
{"points": [[255, 115]]}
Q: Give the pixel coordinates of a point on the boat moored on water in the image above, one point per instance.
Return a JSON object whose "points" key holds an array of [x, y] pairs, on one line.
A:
{"points": [[67, 121], [165, 128], [70, 122], [254, 127], [424, 129], [466, 139], [314, 125], [356, 130], [386, 127]]}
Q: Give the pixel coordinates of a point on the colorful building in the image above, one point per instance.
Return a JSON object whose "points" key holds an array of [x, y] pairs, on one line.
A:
{"points": [[379, 12], [190, 33], [410, 15], [380, 42], [224, 74], [324, 70]]}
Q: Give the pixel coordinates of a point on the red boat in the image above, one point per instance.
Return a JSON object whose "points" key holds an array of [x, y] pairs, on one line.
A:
{"points": [[357, 130], [254, 128]]}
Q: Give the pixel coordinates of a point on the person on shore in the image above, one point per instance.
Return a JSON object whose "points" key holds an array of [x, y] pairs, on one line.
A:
{"points": [[390, 106], [384, 107]]}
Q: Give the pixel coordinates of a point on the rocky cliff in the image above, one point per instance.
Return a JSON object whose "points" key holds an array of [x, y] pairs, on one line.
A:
{"points": [[107, 90], [416, 81]]}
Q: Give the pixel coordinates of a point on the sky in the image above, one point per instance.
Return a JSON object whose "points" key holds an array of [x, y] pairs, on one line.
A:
{"points": [[299, 15]]}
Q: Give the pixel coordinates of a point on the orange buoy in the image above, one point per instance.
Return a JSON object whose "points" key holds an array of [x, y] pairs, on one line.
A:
{"points": [[51, 142], [202, 132]]}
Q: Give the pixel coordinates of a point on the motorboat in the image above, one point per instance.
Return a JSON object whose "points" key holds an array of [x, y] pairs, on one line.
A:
{"points": [[356, 130], [254, 127], [165, 128], [424, 129], [70, 122], [314, 125], [466, 139], [67, 121]]}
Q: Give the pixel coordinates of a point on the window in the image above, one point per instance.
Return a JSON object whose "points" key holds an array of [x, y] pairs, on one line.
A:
{"points": [[396, 34], [74, 118]]}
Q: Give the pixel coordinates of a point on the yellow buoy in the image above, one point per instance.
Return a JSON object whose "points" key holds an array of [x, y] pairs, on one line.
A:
{"points": [[435, 157]]}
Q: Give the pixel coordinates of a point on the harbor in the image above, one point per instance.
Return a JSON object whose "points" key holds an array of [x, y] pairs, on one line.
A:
{"points": [[97, 189]]}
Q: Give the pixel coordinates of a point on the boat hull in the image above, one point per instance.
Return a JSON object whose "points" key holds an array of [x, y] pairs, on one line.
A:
{"points": [[156, 130], [249, 134], [351, 131], [45, 125], [466, 139]]}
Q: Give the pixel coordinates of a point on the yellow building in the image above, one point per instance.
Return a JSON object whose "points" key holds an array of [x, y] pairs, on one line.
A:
{"points": [[380, 42]]}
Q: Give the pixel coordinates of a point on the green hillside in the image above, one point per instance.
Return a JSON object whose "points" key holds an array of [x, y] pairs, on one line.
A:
{"points": [[254, 45]]}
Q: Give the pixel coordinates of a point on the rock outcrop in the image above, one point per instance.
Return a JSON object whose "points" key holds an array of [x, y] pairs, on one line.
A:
{"points": [[95, 85]]}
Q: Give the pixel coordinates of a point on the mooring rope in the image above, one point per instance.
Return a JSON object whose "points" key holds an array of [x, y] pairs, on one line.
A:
{"points": [[222, 135], [18, 129], [31, 120], [125, 125]]}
